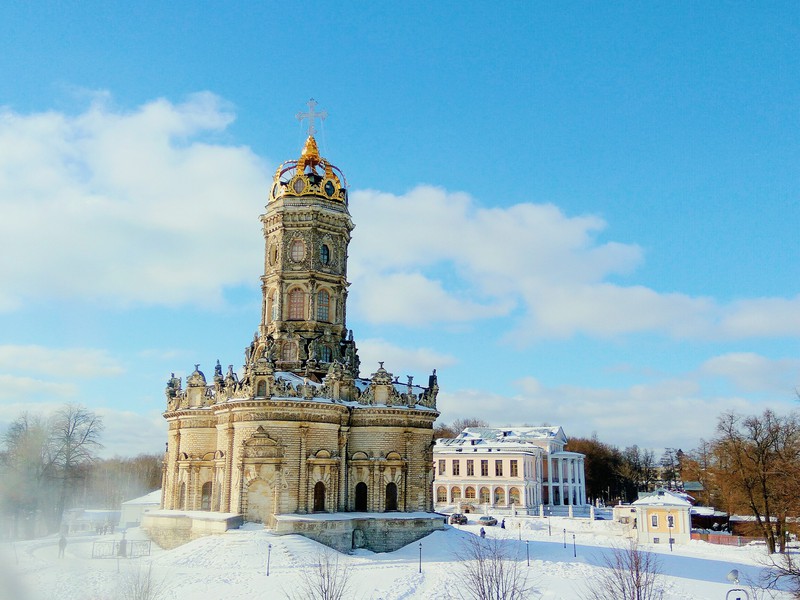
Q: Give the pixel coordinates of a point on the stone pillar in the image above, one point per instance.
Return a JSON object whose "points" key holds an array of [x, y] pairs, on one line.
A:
{"points": [[342, 499], [302, 483]]}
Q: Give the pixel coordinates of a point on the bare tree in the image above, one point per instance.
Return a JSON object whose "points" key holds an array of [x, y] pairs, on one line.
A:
{"points": [[490, 570], [759, 459], [443, 430], [140, 584], [327, 579], [27, 468], [76, 440], [628, 574]]}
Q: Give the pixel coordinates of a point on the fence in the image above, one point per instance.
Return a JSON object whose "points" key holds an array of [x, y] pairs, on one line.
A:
{"points": [[725, 540], [121, 549]]}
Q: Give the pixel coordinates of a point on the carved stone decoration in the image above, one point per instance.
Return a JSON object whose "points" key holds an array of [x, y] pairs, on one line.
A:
{"points": [[260, 445]]}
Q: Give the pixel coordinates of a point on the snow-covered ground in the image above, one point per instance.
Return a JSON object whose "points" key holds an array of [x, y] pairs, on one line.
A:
{"points": [[233, 565]]}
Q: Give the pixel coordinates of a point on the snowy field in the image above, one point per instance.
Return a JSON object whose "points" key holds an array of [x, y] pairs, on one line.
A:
{"points": [[233, 566]]}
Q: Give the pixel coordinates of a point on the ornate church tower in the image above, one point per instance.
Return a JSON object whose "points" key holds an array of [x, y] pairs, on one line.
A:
{"points": [[306, 231]]}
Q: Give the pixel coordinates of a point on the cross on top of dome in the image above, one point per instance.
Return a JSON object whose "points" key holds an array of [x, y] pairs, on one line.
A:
{"points": [[311, 115]]}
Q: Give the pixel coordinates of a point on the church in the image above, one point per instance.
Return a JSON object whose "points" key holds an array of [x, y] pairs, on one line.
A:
{"points": [[297, 432]]}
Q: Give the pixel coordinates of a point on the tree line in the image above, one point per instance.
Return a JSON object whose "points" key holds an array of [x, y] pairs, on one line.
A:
{"points": [[49, 464]]}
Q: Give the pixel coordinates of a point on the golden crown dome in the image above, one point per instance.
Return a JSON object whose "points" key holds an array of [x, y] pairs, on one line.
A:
{"points": [[309, 175]]}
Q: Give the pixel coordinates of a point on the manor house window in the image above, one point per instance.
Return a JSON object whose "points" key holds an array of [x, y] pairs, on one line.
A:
{"points": [[484, 468], [513, 465], [470, 468], [498, 468], [456, 467], [442, 469], [297, 304]]}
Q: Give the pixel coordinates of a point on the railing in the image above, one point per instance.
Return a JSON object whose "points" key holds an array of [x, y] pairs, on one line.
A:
{"points": [[724, 540], [121, 549]]}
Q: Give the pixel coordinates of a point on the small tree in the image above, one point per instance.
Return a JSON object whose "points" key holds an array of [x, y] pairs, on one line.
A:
{"points": [[327, 579], [140, 584], [490, 570], [627, 574]]}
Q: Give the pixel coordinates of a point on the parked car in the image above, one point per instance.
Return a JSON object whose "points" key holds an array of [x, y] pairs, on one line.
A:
{"points": [[487, 520], [458, 519]]}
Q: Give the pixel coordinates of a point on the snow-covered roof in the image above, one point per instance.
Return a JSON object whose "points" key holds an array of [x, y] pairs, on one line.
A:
{"points": [[153, 497], [662, 497], [518, 438]]}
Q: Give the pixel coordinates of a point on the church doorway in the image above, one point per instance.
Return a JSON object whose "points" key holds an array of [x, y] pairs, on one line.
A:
{"points": [[319, 497], [361, 497], [391, 496], [259, 501]]}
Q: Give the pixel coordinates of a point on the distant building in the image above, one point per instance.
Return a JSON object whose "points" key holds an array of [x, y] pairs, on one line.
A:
{"points": [[132, 510], [514, 469], [661, 517]]}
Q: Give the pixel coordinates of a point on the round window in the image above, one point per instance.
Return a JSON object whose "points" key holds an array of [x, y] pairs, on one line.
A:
{"points": [[299, 185], [325, 254], [297, 251]]}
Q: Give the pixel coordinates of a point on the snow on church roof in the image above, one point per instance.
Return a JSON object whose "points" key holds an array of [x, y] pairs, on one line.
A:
{"points": [[662, 497]]}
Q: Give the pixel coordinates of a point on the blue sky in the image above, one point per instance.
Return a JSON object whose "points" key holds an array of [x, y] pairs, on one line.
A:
{"points": [[580, 214]]}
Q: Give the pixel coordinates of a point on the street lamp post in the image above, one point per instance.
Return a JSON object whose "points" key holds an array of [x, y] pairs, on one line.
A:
{"points": [[574, 548], [733, 577], [669, 527], [420, 557], [269, 553], [527, 553], [565, 538]]}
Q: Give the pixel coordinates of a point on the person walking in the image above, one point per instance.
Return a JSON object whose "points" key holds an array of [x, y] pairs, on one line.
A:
{"points": [[503, 524], [483, 533], [62, 545]]}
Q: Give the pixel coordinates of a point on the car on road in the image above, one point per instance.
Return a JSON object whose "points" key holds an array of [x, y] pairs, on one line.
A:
{"points": [[458, 519], [487, 520]]}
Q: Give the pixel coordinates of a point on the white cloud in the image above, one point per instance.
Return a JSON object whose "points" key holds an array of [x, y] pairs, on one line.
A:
{"points": [[422, 360], [127, 206], [668, 413], [15, 388], [432, 256], [56, 362], [751, 372]]}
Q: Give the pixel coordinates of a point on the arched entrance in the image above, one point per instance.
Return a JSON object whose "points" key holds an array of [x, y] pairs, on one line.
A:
{"points": [[361, 497], [319, 497], [259, 501], [391, 496]]}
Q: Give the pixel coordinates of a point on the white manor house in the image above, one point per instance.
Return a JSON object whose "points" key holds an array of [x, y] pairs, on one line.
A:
{"points": [[507, 470]]}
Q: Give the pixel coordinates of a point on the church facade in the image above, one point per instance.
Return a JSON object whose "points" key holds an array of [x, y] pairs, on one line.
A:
{"points": [[297, 431]]}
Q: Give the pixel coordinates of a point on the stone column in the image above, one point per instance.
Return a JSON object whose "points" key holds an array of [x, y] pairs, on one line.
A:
{"points": [[342, 496], [302, 482]]}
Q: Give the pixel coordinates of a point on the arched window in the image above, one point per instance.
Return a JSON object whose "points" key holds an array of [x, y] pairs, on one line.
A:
{"points": [[289, 352], [469, 493], [441, 494], [297, 304], [391, 496], [205, 496], [361, 497], [261, 390], [513, 496], [456, 494], [325, 354], [484, 495], [323, 305], [297, 251], [319, 497], [324, 254], [499, 496]]}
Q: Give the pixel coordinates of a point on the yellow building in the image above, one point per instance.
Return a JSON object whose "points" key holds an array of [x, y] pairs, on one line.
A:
{"points": [[658, 518]]}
